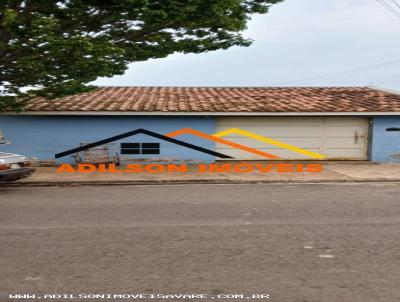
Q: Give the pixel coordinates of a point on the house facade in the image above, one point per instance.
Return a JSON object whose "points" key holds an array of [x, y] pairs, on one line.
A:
{"points": [[243, 123]]}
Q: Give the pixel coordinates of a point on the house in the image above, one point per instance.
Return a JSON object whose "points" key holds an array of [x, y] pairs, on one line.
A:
{"points": [[241, 123]]}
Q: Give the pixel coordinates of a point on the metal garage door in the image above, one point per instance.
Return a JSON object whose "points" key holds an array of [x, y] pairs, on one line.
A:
{"points": [[333, 137]]}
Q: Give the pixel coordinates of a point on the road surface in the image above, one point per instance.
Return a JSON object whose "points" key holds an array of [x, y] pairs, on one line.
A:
{"points": [[293, 242]]}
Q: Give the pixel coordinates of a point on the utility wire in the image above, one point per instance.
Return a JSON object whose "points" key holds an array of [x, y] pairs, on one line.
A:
{"points": [[396, 3], [340, 74], [389, 79], [389, 7]]}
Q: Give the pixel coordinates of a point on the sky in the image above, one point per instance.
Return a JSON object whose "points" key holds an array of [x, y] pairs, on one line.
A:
{"points": [[296, 40]]}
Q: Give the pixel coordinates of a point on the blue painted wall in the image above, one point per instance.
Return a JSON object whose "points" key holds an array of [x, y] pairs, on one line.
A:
{"points": [[385, 144], [44, 136]]}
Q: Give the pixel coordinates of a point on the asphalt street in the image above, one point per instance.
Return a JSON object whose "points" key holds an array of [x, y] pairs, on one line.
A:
{"points": [[293, 242]]}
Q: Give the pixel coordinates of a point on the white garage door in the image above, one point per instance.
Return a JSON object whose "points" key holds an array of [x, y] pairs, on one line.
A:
{"points": [[333, 137]]}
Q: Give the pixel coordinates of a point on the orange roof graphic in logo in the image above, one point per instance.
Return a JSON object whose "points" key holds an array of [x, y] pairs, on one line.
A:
{"points": [[221, 141]]}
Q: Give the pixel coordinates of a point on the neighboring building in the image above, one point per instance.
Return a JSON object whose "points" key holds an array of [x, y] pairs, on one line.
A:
{"points": [[342, 123]]}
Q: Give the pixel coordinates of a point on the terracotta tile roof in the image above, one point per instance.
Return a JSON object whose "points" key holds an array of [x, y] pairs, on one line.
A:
{"points": [[229, 99]]}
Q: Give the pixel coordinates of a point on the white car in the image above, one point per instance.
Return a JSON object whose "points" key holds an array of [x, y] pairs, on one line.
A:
{"points": [[14, 167]]}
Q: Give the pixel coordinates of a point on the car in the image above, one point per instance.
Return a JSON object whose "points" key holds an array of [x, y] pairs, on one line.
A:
{"points": [[14, 167]]}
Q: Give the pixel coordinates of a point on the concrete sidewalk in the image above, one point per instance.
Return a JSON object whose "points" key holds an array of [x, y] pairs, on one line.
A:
{"points": [[332, 172]]}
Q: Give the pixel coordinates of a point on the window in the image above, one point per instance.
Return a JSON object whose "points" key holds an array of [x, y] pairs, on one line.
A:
{"points": [[393, 129], [150, 148], [140, 148], [130, 148]]}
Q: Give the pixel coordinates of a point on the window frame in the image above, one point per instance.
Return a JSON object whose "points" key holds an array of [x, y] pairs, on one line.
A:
{"points": [[140, 148]]}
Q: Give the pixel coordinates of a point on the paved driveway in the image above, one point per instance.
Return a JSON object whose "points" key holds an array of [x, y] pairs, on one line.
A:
{"points": [[318, 242]]}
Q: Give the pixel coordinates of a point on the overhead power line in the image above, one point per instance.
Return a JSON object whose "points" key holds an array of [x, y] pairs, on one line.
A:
{"points": [[389, 6], [389, 79], [396, 3], [340, 74], [393, 9]]}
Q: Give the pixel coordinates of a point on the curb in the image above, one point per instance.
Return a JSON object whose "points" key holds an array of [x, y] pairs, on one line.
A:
{"points": [[183, 182]]}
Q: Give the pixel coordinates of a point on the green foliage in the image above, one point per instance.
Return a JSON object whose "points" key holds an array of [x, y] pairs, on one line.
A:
{"points": [[54, 48]]}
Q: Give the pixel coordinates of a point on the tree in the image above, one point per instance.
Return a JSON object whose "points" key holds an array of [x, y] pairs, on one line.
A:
{"points": [[53, 48]]}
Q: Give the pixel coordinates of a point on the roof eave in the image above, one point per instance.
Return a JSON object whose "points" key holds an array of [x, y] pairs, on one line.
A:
{"points": [[205, 113]]}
